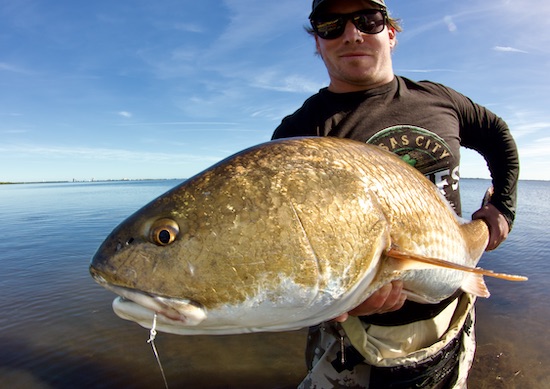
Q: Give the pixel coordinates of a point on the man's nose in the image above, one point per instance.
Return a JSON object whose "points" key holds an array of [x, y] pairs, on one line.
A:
{"points": [[352, 33]]}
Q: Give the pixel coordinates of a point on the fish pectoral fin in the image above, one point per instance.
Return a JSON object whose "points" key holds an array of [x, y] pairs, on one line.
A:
{"points": [[415, 261], [475, 284]]}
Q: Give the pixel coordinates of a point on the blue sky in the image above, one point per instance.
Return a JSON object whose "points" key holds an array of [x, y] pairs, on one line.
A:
{"points": [[163, 89]]}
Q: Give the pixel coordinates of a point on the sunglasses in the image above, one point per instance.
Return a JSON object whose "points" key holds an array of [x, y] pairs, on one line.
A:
{"points": [[332, 26]]}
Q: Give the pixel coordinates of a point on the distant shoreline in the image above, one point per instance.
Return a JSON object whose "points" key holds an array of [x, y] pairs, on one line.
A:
{"points": [[160, 179], [87, 181]]}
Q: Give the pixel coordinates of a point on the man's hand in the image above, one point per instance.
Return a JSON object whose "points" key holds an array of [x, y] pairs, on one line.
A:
{"points": [[498, 226], [388, 298]]}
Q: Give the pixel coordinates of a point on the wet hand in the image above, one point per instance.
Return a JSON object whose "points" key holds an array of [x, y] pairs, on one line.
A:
{"points": [[498, 226], [388, 298]]}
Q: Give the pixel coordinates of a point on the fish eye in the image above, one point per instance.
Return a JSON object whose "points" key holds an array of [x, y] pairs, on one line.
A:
{"points": [[164, 232]]}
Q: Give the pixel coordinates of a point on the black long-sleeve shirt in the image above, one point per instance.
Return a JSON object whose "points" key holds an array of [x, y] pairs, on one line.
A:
{"points": [[423, 122]]}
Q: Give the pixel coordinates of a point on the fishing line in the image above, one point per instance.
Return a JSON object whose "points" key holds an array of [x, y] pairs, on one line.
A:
{"points": [[152, 336]]}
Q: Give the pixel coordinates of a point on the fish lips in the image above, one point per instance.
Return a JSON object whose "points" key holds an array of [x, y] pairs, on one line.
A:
{"points": [[141, 307]]}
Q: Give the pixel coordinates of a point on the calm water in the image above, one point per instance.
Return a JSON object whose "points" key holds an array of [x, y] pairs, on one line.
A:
{"points": [[57, 329]]}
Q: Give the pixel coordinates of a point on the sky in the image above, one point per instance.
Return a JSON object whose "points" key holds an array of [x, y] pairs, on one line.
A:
{"points": [[140, 89]]}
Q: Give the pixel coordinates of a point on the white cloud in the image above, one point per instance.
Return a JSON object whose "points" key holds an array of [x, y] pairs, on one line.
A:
{"points": [[522, 129], [527, 121], [508, 49], [189, 27], [125, 114], [12, 68], [450, 23], [537, 148], [254, 22], [180, 124], [274, 80], [59, 152], [428, 70], [533, 157]]}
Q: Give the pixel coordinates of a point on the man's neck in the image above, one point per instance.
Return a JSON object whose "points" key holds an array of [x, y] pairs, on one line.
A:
{"points": [[344, 87]]}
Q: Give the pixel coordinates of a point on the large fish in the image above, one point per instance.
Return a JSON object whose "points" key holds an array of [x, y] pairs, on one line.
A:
{"points": [[286, 235]]}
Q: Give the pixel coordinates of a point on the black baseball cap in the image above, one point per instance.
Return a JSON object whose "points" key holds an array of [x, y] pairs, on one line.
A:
{"points": [[317, 3]]}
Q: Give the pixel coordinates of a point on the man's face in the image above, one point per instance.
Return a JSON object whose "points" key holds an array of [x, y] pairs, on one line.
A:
{"points": [[356, 61]]}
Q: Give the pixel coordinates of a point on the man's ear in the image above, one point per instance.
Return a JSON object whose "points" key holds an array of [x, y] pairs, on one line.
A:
{"points": [[317, 47], [393, 37]]}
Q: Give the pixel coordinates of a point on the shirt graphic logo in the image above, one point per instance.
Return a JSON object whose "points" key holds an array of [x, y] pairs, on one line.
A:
{"points": [[425, 151]]}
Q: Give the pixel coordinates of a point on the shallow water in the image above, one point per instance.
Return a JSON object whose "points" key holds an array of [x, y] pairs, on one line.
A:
{"points": [[58, 329]]}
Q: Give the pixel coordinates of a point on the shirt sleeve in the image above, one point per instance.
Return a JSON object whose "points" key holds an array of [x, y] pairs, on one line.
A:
{"points": [[489, 135], [303, 122], [286, 129]]}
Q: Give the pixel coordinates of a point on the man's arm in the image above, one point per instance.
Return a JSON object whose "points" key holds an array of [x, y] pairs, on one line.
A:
{"points": [[489, 135]]}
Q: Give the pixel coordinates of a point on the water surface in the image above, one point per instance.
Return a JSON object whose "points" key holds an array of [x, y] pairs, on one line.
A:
{"points": [[57, 328]]}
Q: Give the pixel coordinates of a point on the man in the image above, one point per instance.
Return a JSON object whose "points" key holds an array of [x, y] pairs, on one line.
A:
{"points": [[388, 342]]}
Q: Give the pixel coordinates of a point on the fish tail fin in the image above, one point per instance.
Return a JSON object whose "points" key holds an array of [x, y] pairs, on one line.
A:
{"points": [[476, 236], [475, 284]]}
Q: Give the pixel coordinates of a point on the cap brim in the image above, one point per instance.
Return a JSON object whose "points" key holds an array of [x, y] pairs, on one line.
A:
{"points": [[321, 3]]}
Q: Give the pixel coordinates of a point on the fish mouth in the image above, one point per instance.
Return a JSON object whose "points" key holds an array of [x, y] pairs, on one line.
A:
{"points": [[141, 307]]}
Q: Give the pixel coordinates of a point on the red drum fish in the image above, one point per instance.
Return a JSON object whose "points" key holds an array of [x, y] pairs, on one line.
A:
{"points": [[288, 234]]}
